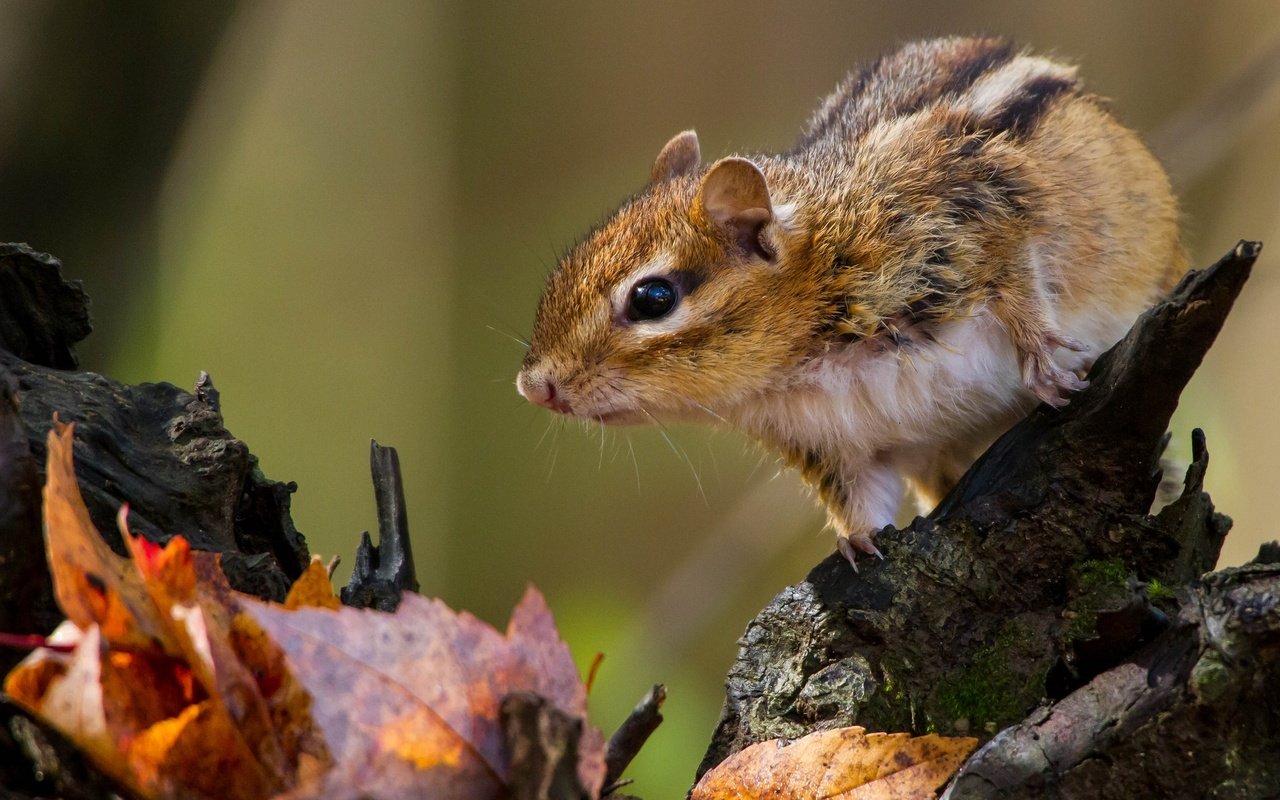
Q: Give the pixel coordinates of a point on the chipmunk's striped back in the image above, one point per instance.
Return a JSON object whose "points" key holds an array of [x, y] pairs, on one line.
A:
{"points": [[990, 85]]}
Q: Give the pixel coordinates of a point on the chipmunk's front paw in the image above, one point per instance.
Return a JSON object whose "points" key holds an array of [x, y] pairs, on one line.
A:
{"points": [[1046, 380], [850, 546]]}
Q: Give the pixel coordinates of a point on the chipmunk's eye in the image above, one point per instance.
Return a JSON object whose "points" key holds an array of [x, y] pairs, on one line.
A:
{"points": [[652, 299]]}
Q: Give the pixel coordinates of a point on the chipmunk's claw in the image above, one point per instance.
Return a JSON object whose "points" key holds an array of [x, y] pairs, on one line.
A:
{"points": [[1052, 388], [1050, 383], [851, 546]]}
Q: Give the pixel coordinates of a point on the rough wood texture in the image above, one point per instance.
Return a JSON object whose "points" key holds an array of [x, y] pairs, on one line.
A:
{"points": [[42, 317], [1038, 576], [26, 594], [1192, 714]]}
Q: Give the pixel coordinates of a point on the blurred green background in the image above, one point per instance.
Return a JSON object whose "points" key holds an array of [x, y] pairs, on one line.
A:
{"points": [[345, 211]]}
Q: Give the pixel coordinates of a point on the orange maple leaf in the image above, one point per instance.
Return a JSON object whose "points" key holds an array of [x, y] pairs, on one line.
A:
{"points": [[312, 588], [154, 691], [841, 764]]}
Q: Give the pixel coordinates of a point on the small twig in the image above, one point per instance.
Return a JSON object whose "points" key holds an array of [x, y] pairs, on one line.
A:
{"points": [[393, 519], [631, 735], [383, 572], [593, 669]]}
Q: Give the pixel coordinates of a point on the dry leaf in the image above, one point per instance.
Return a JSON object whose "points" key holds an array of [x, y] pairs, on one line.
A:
{"points": [[843, 764], [71, 697], [199, 606], [197, 753], [312, 588], [92, 584], [420, 691], [154, 691]]}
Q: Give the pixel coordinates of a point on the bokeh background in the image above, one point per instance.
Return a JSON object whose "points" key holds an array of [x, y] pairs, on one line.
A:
{"points": [[345, 213]]}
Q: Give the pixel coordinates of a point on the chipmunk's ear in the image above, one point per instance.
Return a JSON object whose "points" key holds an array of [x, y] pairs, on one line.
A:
{"points": [[735, 196], [680, 156]]}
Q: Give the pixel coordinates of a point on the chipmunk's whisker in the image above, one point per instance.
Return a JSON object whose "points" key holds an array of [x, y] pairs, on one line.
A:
{"points": [[679, 451], [520, 340]]}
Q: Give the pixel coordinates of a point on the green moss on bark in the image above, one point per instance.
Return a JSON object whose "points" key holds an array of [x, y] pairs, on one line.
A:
{"points": [[1002, 680]]}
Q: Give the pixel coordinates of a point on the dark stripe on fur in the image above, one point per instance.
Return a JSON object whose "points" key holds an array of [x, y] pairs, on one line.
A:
{"points": [[1023, 112], [963, 66], [991, 54], [865, 75], [906, 81]]}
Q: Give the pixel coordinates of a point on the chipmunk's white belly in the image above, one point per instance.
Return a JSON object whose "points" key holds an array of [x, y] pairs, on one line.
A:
{"points": [[871, 400]]}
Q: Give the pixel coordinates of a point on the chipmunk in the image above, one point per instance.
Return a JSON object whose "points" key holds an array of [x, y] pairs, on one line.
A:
{"points": [[959, 233]]}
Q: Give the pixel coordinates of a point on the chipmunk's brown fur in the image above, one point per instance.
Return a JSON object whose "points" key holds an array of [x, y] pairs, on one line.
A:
{"points": [[961, 230]]}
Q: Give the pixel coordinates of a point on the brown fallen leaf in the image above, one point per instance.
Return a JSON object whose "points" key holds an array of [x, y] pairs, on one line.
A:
{"points": [[420, 693], [66, 690], [200, 620], [843, 764], [288, 703], [137, 716], [312, 588], [153, 691], [197, 753], [92, 584]]}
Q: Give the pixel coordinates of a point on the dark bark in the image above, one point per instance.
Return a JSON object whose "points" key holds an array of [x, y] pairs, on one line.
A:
{"points": [[26, 593], [1039, 579], [44, 317], [1192, 714]]}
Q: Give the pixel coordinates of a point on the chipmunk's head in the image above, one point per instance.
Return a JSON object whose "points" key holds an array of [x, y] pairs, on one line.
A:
{"points": [[679, 305]]}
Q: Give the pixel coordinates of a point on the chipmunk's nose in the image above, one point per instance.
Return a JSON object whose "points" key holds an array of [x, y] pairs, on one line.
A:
{"points": [[541, 390]]}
